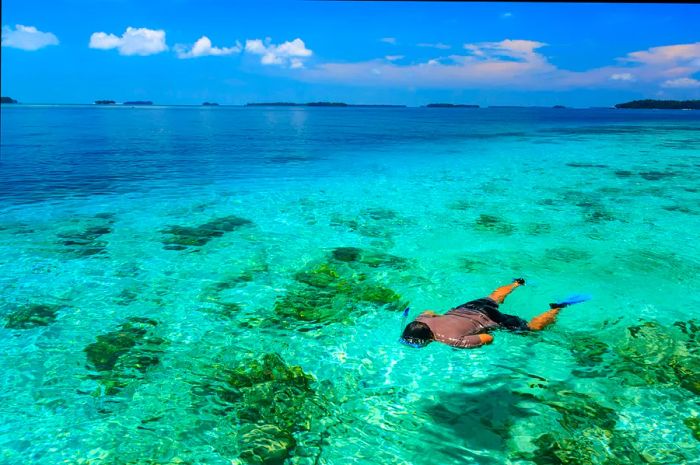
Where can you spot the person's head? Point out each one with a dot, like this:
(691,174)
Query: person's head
(417,334)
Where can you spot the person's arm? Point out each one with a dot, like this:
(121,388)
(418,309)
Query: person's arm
(499,295)
(545,319)
(473,341)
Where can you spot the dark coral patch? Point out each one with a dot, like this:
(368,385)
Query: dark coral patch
(329,293)
(31,316)
(586,165)
(125,354)
(657,175)
(371,258)
(460,205)
(623,173)
(270,401)
(493,224)
(182,237)
(347,254)
(651,355)
(693,424)
(679,208)
(567,254)
(379,214)
(87,242)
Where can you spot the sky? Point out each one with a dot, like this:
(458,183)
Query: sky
(411,53)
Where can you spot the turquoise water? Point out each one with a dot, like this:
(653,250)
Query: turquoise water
(225,285)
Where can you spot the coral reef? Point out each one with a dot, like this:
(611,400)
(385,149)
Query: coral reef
(31,316)
(125,354)
(182,237)
(270,401)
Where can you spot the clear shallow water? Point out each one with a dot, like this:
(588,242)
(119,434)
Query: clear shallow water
(153,261)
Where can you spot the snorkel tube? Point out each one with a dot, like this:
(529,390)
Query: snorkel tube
(404,318)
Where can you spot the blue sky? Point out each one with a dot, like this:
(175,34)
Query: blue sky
(187,52)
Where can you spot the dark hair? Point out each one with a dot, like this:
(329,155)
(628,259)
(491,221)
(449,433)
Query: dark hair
(417,333)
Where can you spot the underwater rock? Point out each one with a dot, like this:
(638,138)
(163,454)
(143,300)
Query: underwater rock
(235,280)
(536,229)
(376,259)
(125,354)
(347,254)
(588,350)
(580,411)
(270,400)
(567,254)
(679,208)
(86,243)
(553,450)
(598,216)
(363,228)
(378,223)
(222,310)
(31,316)
(470,264)
(586,165)
(327,293)
(266,444)
(652,355)
(370,258)
(584,432)
(126,297)
(657,175)
(379,214)
(693,424)
(460,205)
(494,224)
(182,237)
(623,173)
(687,370)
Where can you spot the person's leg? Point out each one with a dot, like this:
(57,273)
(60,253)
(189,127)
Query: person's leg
(545,319)
(499,295)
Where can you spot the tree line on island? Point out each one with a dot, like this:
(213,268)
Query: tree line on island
(635,104)
(661,104)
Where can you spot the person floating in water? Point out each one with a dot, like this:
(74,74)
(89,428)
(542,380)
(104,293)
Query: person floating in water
(468,325)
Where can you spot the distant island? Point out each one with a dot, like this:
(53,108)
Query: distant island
(319,104)
(7,100)
(139,102)
(558,107)
(105,102)
(210,104)
(450,105)
(662,104)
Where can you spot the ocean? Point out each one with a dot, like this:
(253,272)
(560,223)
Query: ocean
(225,285)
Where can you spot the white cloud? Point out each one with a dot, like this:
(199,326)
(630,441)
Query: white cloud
(519,64)
(517,49)
(203,48)
(507,14)
(486,64)
(393,57)
(666,54)
(681,83)
(388,40)
(438,45)
(27,38)
(622,77)
(290,53)
(134,41)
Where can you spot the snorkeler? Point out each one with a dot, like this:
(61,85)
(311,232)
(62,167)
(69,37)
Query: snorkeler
(468,325)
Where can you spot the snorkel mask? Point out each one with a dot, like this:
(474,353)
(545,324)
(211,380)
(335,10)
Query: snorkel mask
(415,345)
